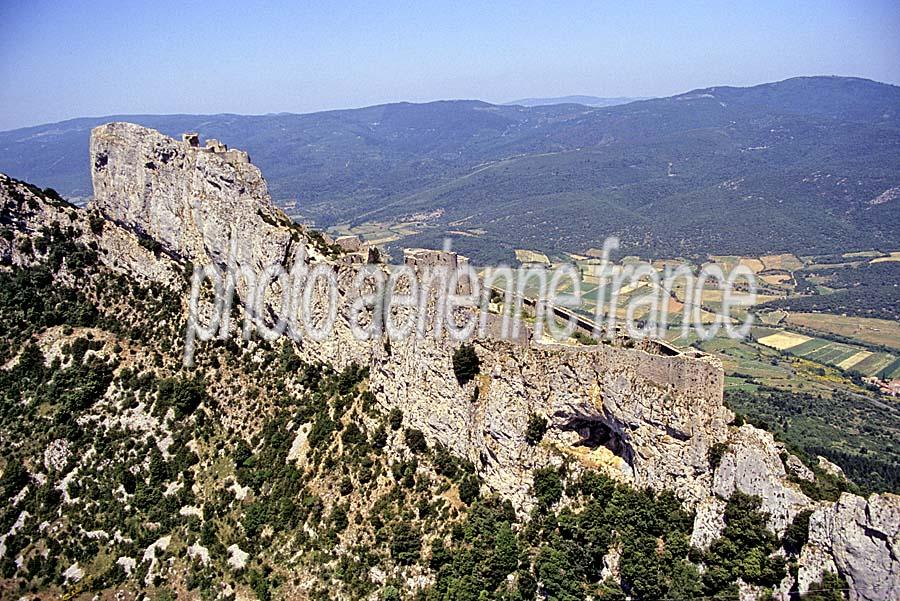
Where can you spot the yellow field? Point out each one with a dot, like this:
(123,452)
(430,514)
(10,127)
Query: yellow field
(596,253)
(775,279)
(673,306)
(629,288)
(865,329)
(787,262)
(713,295)
(755,265)
(851,361)
(375,232)
(726,262)
(661,264)
(531,256)
(773,317)
(895,256)
(784,340)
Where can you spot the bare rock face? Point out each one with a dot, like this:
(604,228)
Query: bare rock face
(798,469)
(752,465)
(860,539)
(854,537)
(652,417)
(649,418)
(709,522)
(27,210)
(193,201)
(830,468)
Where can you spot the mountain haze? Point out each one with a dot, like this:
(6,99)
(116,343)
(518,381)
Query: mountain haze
(726,170)
(594,101)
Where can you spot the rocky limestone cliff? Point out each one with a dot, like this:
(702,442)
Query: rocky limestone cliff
(27,211)
(612,409)
(191,200)
(858,538)
(646,418)
(752,464)
(659,414)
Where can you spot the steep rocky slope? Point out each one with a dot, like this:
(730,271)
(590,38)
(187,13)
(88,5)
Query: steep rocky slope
(666,410)
(274,465)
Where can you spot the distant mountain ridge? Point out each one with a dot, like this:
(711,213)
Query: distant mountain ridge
(593,101)
(785,166)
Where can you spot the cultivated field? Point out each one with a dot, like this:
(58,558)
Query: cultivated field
(786,262)
(784,340)
(836,354)
(894,256)
(873,331)
(531,256)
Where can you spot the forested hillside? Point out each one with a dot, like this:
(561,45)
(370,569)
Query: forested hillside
(808,165)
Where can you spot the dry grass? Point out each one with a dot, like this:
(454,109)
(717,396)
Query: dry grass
(873,331)
(895,256)
(775,279)
(531,256)
(851,361)
(754,265)
(786,261)
(662,264)
(726,262)
(784,340)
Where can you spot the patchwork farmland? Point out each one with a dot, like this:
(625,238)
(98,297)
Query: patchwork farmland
(836,354)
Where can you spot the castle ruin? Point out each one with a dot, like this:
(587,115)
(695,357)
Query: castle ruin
(192,141)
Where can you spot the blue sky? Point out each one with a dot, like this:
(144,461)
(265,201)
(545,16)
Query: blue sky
(68,59)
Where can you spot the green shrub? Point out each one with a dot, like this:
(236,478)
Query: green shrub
(15,477)
(830,588)
(548,486)
(583,338)
(536,428)
(466,364)
(469,489)
(379,438)
(395,418)
(406,543)
(797,534)
(182,394)
(415,441)
(715,453)
(390,593)
(744,550)
(96,222)
(151,244)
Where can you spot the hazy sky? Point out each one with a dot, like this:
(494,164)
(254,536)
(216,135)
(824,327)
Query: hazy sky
(68,59)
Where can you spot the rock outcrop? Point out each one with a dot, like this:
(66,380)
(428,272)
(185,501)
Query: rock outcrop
(658,413)
(859,539)
(648,418)
(27,211)
(193,201)
(752,464)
